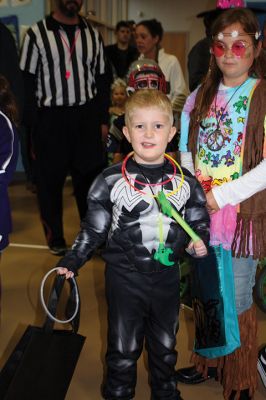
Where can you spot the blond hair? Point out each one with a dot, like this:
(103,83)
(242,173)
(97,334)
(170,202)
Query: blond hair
(143,99)
(118,83)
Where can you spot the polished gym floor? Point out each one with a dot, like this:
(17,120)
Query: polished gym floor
(22,267)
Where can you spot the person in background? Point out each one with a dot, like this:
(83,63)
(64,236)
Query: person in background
(117,121)
(121,54)
(223,140)
(132,26)
(9,119)
(149,34)
(118,99)
(264,36)
(142,250)
(67,96)
(9,65)
(143,74)
(199,55)
(9,68)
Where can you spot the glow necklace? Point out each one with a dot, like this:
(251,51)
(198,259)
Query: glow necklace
(70,50)
(175,164)
(162,253)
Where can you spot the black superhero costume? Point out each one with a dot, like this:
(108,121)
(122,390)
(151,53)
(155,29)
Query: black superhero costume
(142,293)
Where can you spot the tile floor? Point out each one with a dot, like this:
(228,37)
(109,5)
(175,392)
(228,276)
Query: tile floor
(22,269)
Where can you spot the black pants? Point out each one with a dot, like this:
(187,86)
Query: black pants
(66,140)
(141,306)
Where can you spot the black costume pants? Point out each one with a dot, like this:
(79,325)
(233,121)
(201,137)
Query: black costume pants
(66,140)
(141,306)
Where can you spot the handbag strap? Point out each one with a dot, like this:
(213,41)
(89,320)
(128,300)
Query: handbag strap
(72,309)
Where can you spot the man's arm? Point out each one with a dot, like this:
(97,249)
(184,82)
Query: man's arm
(30,106)
(103,83)
(28,63)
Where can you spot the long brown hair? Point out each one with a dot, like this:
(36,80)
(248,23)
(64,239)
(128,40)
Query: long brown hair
(210,85)
(7,101)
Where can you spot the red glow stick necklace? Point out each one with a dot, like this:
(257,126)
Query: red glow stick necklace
(70,50)
(125,173)
(128,179)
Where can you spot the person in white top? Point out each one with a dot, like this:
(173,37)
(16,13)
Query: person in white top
(149,34)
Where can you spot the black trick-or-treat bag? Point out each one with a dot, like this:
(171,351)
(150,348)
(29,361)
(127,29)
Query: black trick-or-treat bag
(43,362)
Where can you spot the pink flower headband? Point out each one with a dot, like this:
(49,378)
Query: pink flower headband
(230,3)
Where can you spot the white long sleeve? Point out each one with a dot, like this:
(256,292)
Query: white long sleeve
(234,192)
(187,162)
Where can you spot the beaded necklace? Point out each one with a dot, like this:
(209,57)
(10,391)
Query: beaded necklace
(216,139)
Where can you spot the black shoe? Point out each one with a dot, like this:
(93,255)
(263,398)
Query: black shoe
(177,398)
(31,187)
(191,376)
(262,365)
(244,395)
(58,250)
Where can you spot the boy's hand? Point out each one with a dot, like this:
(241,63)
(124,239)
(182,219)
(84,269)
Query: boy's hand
(198,248)
(66,272)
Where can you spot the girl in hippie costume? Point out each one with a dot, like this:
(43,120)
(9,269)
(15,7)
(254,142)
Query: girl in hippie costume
(223,143)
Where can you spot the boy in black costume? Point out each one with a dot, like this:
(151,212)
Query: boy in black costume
(142,250)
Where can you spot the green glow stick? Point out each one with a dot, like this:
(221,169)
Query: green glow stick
(167,209)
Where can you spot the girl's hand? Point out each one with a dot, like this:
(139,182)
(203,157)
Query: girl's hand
(64,271)
(198,247)
(212,205)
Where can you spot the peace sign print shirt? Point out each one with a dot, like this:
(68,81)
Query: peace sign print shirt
(221,136)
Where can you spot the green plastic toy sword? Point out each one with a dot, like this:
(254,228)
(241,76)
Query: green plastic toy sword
(168,210)
(163,253)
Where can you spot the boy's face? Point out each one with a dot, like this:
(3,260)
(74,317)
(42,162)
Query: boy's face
(149,132)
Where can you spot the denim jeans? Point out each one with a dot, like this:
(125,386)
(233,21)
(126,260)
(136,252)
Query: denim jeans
(244,270)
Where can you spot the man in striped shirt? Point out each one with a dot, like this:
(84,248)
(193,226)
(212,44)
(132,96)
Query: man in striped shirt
(67,96)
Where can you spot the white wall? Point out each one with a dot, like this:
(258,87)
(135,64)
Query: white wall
(27,13)
(175,15)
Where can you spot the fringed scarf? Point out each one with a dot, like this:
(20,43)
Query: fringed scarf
(252,216)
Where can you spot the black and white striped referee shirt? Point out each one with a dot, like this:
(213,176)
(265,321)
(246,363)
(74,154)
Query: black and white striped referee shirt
(65,60)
